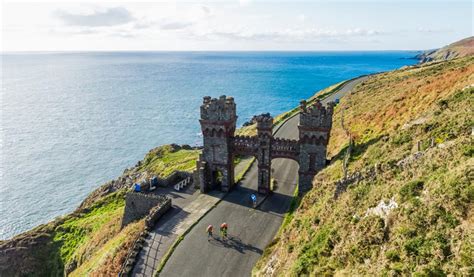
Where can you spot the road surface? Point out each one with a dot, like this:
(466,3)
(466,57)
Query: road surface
(250,230)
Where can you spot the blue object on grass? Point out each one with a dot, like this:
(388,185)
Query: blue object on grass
(138,188)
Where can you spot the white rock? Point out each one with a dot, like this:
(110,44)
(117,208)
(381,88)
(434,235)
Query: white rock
(382,209)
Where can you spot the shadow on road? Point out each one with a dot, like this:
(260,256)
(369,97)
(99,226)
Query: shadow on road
(241,196)
(171,219)
(235,243)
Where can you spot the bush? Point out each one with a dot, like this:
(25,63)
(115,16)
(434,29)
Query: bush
(411,190)
(314,252)
(431,271)
(401,138)
(413,246)
(468,150)
(392,255)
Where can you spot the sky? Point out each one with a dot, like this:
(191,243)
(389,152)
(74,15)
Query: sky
(233,25)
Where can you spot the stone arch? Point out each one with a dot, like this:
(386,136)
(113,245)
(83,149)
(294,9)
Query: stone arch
(218,121)
(281,178)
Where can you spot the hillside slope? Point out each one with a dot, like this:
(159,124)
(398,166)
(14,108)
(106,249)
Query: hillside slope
(459,49)
(406,206)
(91,235)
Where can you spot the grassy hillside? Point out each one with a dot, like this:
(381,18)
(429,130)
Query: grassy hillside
(462,48)
(422,223)
(163,160)
(89,240)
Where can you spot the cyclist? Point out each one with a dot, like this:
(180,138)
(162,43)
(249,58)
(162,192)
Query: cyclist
(209,232)
(224,231)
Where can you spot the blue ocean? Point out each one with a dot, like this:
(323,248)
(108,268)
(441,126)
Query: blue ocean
(72,121)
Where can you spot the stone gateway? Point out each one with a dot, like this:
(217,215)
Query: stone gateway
(215,167)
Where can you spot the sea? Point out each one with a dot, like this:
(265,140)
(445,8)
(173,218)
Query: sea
(70,121)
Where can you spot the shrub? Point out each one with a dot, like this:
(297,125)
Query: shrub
(401,138)
(392,255)
(431,271)
(468,150)
(443,104)
(313,252)
(411,190)
(413,246)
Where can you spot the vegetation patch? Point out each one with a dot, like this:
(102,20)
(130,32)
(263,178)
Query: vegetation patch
(164,160)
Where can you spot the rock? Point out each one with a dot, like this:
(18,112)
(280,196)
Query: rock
(382,209)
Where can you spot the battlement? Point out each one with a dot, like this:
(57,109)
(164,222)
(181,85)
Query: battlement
(316,115)
(264,122)
(218,109)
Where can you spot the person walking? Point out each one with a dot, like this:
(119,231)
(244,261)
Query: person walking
(253,198)
(209,232)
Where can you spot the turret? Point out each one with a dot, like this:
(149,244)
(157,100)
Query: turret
(218,121)
(264,125)
(316,115)
(265,138)
(222,109)
(314,128)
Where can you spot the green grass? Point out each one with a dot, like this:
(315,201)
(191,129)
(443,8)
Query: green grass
(164,160)
(76,230)
(106,260)
(315,252)
(295,201)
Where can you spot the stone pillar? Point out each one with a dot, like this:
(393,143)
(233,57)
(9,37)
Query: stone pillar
(264,178)
(305,181)
(203,180)
(227,179)
(218,121)
(314,128)
(419,145)
(265,137)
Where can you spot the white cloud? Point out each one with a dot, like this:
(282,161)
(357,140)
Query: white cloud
(175,25)
(244,3)
(430,30)
(260,25)
(309,34)
(106,17)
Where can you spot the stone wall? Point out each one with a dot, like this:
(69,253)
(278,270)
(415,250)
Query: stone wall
(156,213)
(153,216)
(370,173)
(138,205)
(174,178)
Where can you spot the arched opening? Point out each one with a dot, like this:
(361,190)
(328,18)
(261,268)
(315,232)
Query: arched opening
(217,178)
(284,175)
(241,165)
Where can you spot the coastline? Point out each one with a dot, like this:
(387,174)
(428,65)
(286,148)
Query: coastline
(132,117)
(131,172)
(41,235)
(129,176)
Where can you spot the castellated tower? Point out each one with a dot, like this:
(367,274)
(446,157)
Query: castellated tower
(314,128)
(264,137)
(215,164)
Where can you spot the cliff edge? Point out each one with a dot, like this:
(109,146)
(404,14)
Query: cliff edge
(459,49)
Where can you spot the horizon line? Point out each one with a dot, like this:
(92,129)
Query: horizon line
(177,51)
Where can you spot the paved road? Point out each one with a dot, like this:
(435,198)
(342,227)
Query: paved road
(250,230)
(188,206)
